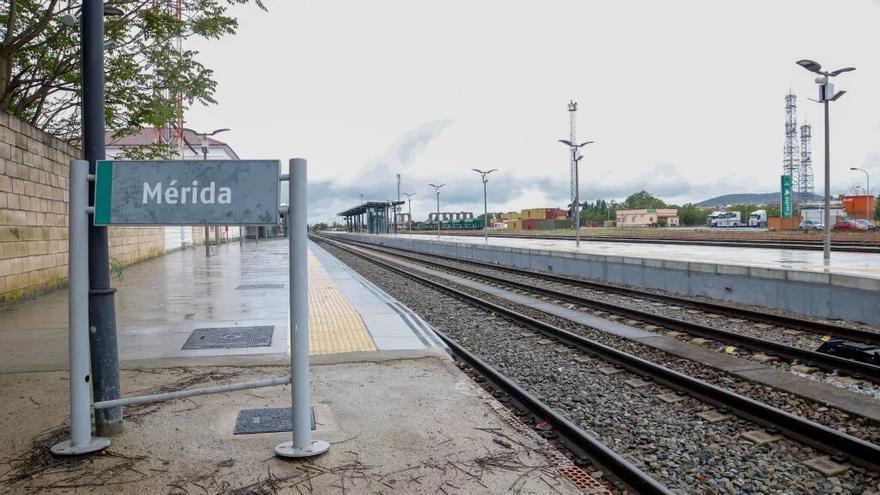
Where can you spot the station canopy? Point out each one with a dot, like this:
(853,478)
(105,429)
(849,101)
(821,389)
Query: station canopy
(362,208)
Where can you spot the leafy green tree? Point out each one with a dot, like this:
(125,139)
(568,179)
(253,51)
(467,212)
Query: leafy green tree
(691,214)
(642,199)
(146,70)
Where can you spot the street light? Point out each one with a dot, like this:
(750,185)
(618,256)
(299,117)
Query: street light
(826,95)
(437,192)
(483,175)
(576,159)
(205,147)
(409,220)
(867,190)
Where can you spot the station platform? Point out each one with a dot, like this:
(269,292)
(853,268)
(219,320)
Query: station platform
(161,302)
(399,414)
(791,280)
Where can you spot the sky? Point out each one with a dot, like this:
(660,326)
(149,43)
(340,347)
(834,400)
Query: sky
(683,98)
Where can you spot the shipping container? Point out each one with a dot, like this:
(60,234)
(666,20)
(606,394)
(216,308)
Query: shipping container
(514,224)
(531,224)
(546,224)
(534,214)
(561,224)
(859,206)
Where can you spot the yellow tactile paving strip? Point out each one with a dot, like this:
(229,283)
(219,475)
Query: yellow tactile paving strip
(334,325)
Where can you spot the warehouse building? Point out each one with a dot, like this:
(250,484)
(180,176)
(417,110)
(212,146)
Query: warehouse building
(649,217)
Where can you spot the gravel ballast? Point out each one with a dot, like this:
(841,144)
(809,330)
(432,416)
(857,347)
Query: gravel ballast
(688,454)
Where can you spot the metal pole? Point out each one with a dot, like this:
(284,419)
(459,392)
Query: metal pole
(395,206)
(81,440)
(102,311)
(577,199)
(826,249)
(438,214)
(485,212)
(302,444)
(409,219)
(193,392)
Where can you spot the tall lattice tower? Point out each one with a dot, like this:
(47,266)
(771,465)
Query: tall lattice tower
(790,155)
(805,188)
(572,118)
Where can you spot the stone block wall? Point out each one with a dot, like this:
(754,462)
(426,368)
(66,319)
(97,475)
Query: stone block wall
(33,214)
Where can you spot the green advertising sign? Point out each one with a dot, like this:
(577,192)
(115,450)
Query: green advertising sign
(785,204)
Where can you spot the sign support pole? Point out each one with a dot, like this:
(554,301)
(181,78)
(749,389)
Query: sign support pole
(302,444)
(81,440)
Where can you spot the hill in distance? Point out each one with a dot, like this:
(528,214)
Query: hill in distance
(747,199)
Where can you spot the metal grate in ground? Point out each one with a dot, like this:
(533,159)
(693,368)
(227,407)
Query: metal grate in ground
(269,420)
(230,337)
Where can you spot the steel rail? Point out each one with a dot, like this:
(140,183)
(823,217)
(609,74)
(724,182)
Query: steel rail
(621,469)
(812,358)
(853,334)
(808,432)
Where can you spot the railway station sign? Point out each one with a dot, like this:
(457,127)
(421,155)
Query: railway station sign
(785,204)
(187,192)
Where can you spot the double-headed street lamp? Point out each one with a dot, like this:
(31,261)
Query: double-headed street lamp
(409,218)
(484,175)
(826,95)
(867,191)
(437,192)
(575,160)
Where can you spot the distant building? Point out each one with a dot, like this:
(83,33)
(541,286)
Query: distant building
(650,217)
(192,147)
(178,237)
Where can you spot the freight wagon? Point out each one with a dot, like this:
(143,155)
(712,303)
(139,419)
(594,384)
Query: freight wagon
(468,224)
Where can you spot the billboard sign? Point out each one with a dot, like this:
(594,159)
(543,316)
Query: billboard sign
(785,203)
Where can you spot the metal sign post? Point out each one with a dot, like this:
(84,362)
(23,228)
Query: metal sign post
(187,193)
(302,444)
(81,440)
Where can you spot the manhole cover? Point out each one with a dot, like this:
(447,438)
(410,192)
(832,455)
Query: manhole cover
(230,337)
(259,286)
(270,420)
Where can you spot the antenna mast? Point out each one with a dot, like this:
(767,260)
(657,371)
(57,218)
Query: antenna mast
(790,154)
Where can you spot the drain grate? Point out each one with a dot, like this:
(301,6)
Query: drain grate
(230,337)
(259,286)
(270,420)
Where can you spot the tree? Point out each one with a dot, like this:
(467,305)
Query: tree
(642,199)
(691,214)
(146,70)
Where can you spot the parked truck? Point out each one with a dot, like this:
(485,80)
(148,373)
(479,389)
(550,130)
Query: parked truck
(724,219)
(758,218)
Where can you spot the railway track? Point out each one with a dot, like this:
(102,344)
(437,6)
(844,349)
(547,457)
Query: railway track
(822,329)
(825,439)
(829,363)
(850,247)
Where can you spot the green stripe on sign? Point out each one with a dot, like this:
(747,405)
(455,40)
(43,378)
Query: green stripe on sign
(103,188)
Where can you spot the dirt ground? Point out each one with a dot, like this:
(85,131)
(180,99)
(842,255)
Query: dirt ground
(402,426)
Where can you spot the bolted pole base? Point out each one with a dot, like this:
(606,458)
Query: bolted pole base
(68,448)
(287,449)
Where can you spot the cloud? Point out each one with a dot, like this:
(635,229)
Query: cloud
(402,153)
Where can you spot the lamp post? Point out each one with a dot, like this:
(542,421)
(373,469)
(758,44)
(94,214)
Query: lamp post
(826,95)
(409,219)
(483,176)
(205,145)
(437,192)
(576,159)
(867,190)
(102,309)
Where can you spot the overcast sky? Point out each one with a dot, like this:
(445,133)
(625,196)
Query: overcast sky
(684,99)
